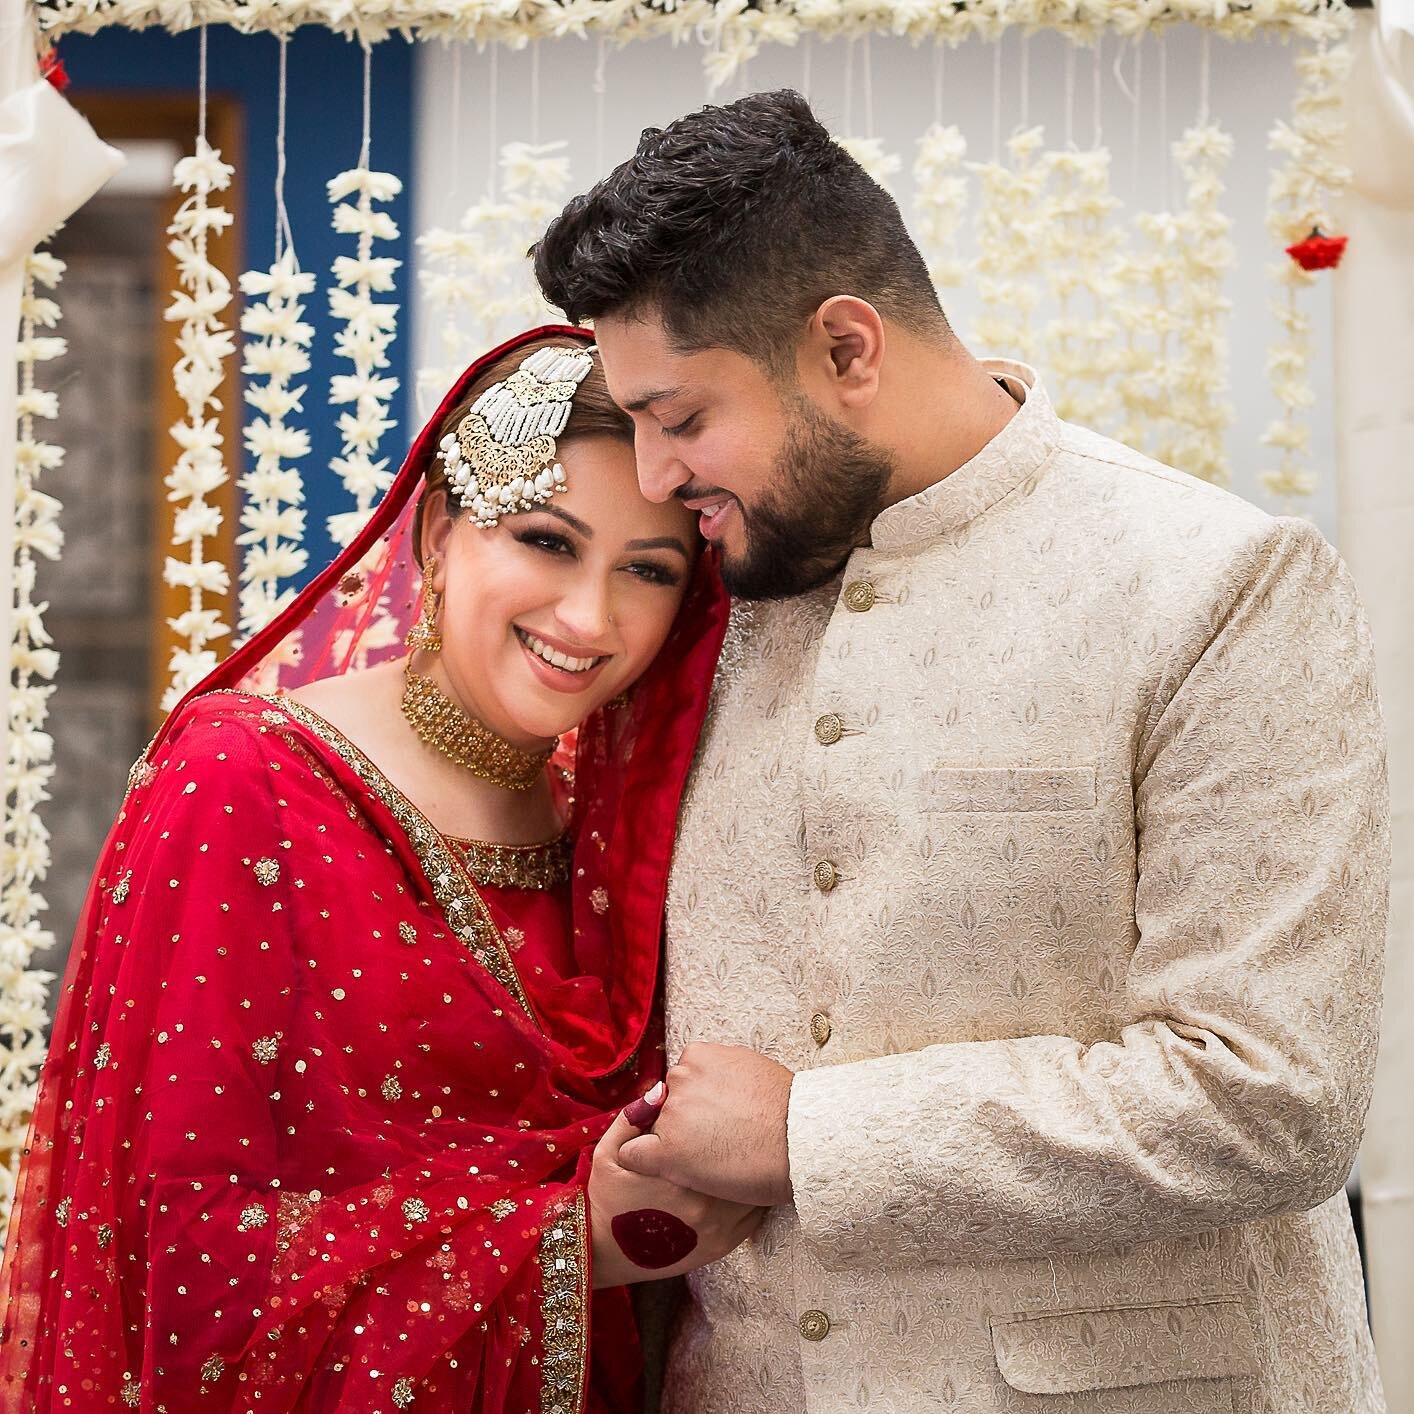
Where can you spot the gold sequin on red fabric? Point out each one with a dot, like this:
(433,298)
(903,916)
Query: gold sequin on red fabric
(564,1300)
(455,891)
(541,867)
(267,872)
(252,1217)
(402,1394)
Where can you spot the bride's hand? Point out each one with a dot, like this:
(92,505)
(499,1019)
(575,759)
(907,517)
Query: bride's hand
(646,1228)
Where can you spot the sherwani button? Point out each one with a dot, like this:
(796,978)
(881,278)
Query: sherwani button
(826,876)
(820,1028)
(829,729)
(859,596)
(814,1325)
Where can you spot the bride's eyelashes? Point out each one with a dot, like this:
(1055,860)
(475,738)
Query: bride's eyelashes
(551,542)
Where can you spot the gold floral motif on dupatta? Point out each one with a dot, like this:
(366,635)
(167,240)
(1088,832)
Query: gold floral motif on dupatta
(452,886)
(564,1306)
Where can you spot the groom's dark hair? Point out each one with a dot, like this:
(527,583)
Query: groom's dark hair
(734,224)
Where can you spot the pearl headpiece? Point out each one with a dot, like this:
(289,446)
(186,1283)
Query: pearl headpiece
(501,459)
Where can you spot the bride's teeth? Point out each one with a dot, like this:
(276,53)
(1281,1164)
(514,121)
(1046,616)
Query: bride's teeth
(554,656)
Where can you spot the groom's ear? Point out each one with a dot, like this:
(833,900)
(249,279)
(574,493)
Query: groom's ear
(844,350)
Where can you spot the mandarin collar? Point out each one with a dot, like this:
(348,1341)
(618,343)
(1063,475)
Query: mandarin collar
(1017,452)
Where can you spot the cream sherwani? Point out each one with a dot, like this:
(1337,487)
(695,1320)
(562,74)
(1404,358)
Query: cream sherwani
(1048,846)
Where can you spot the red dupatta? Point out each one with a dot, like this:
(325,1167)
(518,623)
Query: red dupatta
(301,1141)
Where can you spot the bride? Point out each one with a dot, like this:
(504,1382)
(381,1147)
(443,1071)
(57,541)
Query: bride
(365,977)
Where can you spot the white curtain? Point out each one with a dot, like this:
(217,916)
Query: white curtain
(1374,360)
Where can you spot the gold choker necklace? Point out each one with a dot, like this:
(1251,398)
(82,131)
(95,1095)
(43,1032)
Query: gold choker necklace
(461,738)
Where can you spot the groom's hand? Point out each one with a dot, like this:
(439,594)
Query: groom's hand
(722,1129)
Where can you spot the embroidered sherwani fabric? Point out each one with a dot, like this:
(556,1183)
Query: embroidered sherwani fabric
(1049,846)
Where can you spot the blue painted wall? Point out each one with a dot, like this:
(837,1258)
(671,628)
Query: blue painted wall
(323,132)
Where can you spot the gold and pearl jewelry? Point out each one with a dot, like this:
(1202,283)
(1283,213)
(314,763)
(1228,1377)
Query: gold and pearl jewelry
(425,633)
(501,458)
(447,728)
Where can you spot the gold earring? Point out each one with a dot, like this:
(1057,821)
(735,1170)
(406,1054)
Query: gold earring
(425,633)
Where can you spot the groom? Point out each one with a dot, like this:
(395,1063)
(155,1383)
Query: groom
(1025,925)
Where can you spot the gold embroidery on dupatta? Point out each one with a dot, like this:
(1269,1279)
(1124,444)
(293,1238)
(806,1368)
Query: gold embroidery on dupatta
(465,909)
(564,1303)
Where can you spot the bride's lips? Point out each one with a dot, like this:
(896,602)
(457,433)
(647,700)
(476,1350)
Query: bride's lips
(557,679)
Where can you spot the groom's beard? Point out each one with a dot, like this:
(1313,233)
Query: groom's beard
(826,488)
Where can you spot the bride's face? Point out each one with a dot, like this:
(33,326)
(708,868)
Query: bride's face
(552,612)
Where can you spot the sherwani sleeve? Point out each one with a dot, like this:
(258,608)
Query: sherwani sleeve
(1237,1086)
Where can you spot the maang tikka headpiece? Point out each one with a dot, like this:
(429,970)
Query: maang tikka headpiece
(501,458)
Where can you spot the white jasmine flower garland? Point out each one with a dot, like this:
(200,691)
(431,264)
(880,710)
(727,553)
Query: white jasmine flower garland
(1298,200)
(940,198)
(204,342)
(272,517)
(369,330)
(1200,405)
(1013,234)
(24,855)
(476,276)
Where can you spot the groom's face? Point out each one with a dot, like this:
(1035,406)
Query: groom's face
(784,490)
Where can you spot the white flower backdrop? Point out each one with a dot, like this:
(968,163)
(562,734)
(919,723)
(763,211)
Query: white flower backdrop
(1125,305)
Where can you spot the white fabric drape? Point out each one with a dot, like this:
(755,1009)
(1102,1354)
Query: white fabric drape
(51,162)
(1374,360)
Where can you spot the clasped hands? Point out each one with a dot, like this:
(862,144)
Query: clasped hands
(680,1183)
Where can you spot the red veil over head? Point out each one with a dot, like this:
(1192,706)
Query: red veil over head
(303,1140)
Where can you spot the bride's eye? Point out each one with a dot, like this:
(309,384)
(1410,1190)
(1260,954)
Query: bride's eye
(654,573)
(546,540)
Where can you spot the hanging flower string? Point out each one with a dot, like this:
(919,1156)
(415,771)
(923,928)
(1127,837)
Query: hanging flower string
(940,199)
(1201,408)
(476,276)
(369,329)
(1298,201)
(204,342)
(1081,265)
(276,352)
(1013,237)
(272,518)
(30,764)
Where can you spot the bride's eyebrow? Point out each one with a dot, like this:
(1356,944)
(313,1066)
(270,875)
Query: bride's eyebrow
(573,522)
(661,542)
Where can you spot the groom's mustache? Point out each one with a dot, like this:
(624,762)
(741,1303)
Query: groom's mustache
(693,492)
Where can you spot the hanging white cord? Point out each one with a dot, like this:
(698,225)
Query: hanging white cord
(806,66)
(868,87)
(1165,156)
(1132,94)
(997,100)
(849,86)
(535,93)
(201,90)
(456,117)
(491,99)
(1098,90)
(1025,79)
(365,153)
(1070,95)
(1204,77)
(284,233)
(599,64)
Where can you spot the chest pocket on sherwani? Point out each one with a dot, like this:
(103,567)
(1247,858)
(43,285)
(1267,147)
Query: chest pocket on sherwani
(1179,1358)
(1010,789)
